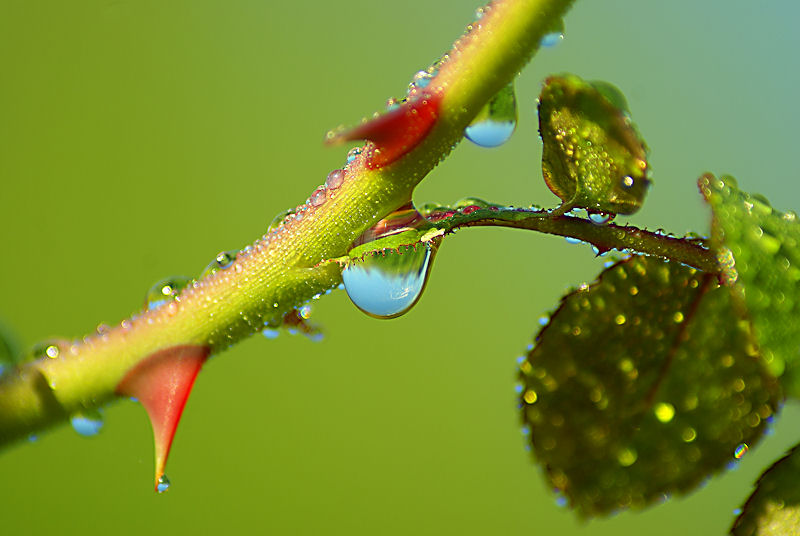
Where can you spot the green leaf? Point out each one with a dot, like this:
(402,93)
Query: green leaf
(593,157)
(761,247)
(642,385)
(774,507)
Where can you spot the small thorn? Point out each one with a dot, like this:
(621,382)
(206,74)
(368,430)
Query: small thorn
(396,132)
(162,383)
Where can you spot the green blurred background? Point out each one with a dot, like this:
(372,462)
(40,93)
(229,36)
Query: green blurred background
(138,139)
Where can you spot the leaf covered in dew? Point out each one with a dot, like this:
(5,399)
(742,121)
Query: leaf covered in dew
(774,507)
(761,247)
(642,385)
(592,157)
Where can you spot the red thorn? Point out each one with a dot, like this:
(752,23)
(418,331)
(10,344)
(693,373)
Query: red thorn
(162,383)
(395,132)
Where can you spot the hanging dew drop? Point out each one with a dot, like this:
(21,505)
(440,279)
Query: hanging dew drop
(165,290)
(600,218)
(87,424)
(270,333)
(554,36)
(495,123)
(163,484)
(387,284)
(551,39)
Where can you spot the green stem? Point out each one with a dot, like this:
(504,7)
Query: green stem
(605,237)
(286,268)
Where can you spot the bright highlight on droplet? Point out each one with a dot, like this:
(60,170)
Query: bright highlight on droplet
(388,283)
(740,451)
(664,411)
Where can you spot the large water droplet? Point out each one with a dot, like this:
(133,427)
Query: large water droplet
(87,423)
(495,123)
(165,291)
(388,283)
(163,484)
(223,260)
(334,179)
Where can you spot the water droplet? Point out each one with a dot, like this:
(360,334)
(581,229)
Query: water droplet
(561,499)
(278,220)
(222,261)
(49,349)
(421,80)
(163,484)
(737,511)
(470,202)
(270,333)
(740,451)
(334,179)
(353,153)
(496,122)
(554,35)
(551,39)
(165,290)
(571,240)
(398,221)
(388,283)
(87,423)
(319,197)
(600,218)
(305,312)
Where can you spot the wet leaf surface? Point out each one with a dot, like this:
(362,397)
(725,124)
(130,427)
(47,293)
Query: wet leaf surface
(592,157)
(774,507)
(763,250)
(642,385)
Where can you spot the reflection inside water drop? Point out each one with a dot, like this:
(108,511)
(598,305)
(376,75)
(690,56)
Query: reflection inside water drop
(388,283)
(496,122)
(552,39)
(87,424)
(163,484)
